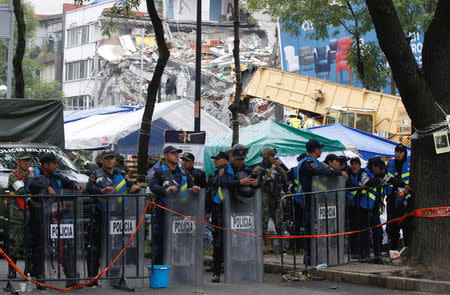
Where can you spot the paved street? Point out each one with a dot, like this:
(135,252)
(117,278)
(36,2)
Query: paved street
(272,285)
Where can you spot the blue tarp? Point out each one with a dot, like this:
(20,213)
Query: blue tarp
(368,145)
(71,116)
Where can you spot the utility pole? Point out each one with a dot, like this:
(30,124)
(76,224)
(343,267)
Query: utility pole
(198,67)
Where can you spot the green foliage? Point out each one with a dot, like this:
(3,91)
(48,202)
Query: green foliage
(34,88)
(376,71)
(121,9)
(325,18)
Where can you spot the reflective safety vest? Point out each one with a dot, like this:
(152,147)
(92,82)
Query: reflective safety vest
(369,197)
(390,169)
(295,122)
(298,189)
(21,201)
(309,123)
(218,197)
(352,194)
(184,183)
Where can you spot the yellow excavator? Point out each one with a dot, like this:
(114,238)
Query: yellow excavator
(328,102)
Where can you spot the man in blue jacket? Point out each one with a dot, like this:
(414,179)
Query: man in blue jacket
(170,178)
(47,181)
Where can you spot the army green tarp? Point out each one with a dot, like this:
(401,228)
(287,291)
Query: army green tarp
(32,120)
(286,139)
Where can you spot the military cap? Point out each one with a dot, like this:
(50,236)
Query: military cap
(171,149)
(48,158)
(267,152)
(220,155)
(24,156)
(313,144)
(108,153)
(188,156)
(239,152)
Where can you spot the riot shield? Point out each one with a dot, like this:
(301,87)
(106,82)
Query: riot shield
(120,215)
(327,217)
(62,236)
(183,238)
(243,257)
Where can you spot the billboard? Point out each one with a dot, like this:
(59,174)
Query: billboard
(326,58)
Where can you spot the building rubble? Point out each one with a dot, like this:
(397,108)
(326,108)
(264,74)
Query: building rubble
(119,73)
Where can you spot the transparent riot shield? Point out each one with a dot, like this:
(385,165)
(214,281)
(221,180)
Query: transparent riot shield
(243,254)
(183,238)
(120,215)
(62,237)
(327,217)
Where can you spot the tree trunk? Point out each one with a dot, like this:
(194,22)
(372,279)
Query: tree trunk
(152,90)
(20,50)
(237,65)
(420,91)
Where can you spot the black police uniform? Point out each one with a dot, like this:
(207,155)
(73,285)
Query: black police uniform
(198,175)
(157,180)
(99,179)
(38,185)
(307,170)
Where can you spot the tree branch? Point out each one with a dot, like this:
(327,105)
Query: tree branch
(20,50)
(164,54)
(415,92)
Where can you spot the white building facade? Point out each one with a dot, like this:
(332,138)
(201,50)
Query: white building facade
(82,32)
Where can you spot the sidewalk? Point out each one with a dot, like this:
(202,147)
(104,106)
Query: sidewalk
(377,275)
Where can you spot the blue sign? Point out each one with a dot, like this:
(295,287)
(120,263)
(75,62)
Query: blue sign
(326,58)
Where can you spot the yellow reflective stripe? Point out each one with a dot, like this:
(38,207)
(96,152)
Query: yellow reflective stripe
(120,185)
(184,187)
(220,194)
(390,174)
(405,174)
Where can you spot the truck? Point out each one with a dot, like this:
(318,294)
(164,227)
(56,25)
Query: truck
(35,126)
(328,102)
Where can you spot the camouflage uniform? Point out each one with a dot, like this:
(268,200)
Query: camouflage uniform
(16,186)
(270,189)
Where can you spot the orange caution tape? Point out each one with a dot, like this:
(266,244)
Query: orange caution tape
(421,213)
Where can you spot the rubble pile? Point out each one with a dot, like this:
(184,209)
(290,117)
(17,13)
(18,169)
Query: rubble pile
(121,60)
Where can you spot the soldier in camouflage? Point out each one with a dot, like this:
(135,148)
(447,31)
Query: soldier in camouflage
(16,186)
(272,178)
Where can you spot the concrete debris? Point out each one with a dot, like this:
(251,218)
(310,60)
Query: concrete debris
(294,277)
(121,81)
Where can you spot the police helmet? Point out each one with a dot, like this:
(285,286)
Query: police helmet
(244,193)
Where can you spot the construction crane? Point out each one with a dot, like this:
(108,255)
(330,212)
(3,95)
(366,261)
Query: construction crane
(328,102)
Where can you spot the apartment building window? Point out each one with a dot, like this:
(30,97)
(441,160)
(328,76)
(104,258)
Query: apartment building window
(78,36)
(79,70)
(79,102)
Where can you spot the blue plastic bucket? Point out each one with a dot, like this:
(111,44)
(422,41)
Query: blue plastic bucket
(160,276)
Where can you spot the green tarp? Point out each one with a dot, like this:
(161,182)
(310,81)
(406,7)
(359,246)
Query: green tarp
(286,139)
(32,120)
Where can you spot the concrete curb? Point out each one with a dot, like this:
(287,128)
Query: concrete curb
(381,281)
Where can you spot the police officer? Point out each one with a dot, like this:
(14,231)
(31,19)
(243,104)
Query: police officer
(47,181)
(308,167)
(168,179)
(272,178)
(294,121)
(333,161)
(397,168)
(381,177)
(238,178)
(214,208)
(16,186)
(108,179)
(197,175)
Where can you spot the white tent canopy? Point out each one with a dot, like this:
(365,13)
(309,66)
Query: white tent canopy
(120,130)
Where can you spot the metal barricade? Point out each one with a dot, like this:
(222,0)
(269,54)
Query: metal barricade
(325,211)
(60,231)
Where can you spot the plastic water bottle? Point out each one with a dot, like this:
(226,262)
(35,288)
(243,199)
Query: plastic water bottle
(321,266)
